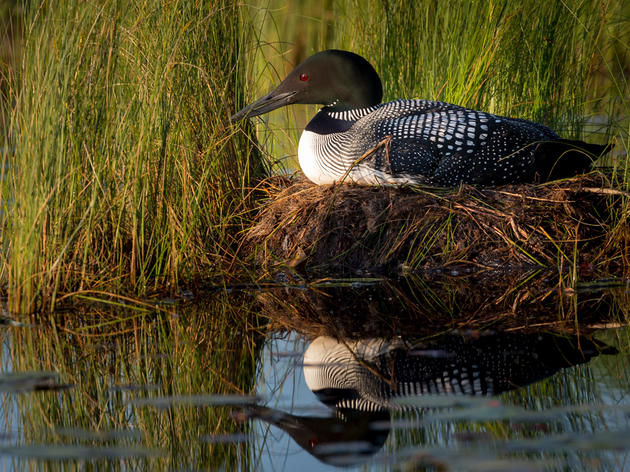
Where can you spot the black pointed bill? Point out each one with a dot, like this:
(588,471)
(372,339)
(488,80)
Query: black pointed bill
(269,102)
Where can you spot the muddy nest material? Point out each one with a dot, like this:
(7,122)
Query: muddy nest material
(349,230)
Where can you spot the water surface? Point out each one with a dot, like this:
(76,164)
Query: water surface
(453,374)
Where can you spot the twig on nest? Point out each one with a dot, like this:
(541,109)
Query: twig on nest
(385,142)
(604,191)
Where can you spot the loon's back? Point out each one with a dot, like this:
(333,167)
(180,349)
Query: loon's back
(420,141)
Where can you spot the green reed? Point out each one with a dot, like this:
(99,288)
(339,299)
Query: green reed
(528,60)
(126,173)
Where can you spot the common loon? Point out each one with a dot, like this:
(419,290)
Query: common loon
(356,138)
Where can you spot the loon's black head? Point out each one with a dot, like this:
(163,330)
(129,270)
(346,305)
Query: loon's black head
(335,78)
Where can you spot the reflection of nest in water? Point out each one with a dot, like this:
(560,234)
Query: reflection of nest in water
(347,229)
(421,307)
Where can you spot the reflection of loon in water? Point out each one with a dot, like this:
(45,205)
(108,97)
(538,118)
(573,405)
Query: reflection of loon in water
(359,379)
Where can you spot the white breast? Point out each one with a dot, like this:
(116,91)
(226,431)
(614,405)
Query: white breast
(309,162)
(321,174)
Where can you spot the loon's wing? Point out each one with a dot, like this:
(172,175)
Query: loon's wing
(449,144)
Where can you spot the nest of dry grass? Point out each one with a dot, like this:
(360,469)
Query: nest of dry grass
(347,230)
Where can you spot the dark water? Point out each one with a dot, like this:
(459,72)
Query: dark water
(448,374)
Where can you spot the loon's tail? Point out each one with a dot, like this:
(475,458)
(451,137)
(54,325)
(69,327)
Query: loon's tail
(565,158)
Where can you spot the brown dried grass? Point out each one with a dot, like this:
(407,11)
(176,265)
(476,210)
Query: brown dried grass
(347,230)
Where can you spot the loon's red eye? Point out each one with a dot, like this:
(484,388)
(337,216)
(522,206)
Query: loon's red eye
(303,77)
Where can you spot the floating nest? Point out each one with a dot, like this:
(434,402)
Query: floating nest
(347,230)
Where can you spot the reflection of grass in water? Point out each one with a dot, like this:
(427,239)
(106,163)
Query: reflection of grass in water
(426,307)
(208,349)
(602,383)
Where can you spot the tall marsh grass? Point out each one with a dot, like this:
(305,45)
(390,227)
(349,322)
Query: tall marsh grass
(125,175)
(564,64)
